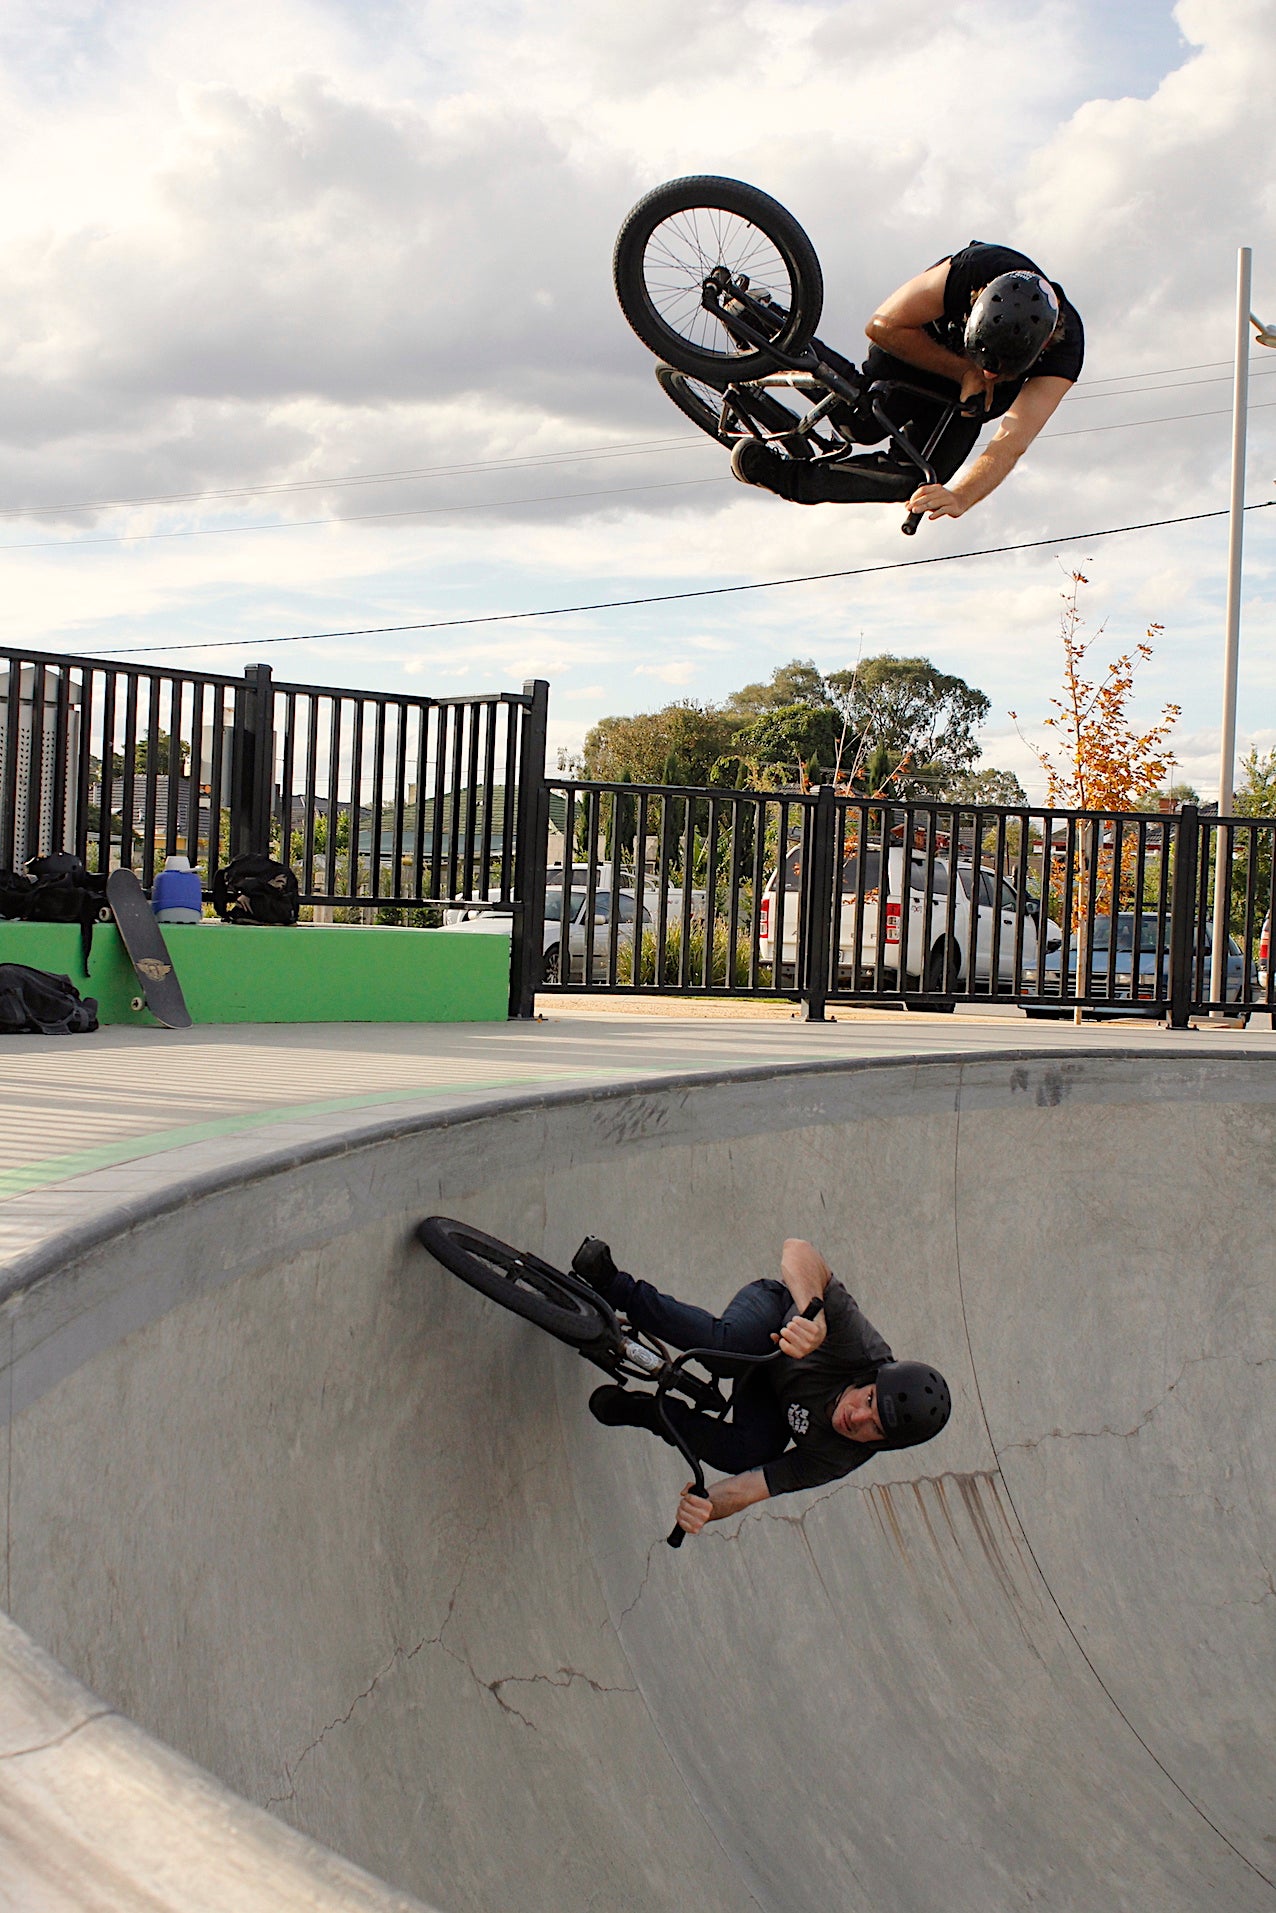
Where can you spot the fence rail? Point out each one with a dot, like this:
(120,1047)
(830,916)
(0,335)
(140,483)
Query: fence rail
(381,801)
(397,805)
(826,899)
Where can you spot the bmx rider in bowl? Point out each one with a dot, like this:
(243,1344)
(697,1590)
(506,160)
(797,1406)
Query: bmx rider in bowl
(836,1398)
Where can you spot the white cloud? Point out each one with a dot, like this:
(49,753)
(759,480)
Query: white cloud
(282,247)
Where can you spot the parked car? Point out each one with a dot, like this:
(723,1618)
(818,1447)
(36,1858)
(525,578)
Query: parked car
(1116,973)
(583,930)
(986,910)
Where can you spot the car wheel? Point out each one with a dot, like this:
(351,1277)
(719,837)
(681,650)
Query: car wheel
(934,984)
(551,972)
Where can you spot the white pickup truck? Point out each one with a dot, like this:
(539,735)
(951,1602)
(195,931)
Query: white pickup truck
(952,934)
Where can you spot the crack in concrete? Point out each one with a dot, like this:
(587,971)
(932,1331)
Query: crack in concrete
(1106,1433)
(572,1674)
(646,1576)
(58,1740)
(401,1656)
(748,1518)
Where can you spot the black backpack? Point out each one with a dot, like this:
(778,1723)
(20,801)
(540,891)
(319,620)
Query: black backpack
(58,889)
(252,889)
(37,1003)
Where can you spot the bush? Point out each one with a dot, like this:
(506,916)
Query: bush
(669,969)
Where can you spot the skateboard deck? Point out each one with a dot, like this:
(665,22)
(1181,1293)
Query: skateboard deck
(147,951)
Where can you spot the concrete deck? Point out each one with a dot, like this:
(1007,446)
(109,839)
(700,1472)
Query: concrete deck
(339,1556)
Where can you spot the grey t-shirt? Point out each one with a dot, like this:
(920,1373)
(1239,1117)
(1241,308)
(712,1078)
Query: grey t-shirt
(808,1391)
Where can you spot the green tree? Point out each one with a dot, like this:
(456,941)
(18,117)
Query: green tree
(142,757)
(1177,795)
(913,717)
(1255,797)
(685,738)
(988,786)
(797,682)
(791,739)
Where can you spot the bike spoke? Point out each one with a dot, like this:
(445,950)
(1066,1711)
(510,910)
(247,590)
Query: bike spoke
(685,248)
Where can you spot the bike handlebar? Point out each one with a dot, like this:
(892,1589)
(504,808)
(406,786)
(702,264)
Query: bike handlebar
(721,1359)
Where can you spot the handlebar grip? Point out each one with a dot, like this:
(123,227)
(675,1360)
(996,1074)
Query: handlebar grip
(677,1536)
(813,1308)
(911,523)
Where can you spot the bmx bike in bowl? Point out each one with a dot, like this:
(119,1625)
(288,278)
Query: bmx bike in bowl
(570,1309)
(723,285)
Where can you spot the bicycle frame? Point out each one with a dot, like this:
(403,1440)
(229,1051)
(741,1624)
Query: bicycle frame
(628,1353)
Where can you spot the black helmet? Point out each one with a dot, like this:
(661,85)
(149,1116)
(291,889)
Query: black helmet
(1010,323)
(913,1403)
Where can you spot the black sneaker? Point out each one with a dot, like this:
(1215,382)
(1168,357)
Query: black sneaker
(593,1261)
(620,1408)
(753,464)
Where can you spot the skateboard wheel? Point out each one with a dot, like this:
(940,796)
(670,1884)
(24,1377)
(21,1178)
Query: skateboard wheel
(138,1003)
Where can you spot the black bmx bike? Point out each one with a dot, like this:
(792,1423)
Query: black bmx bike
(723,285)
(568,1308)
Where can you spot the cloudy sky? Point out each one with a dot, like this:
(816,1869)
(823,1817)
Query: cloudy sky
(308,325)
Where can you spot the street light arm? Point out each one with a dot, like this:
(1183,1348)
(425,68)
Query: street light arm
(1264,334)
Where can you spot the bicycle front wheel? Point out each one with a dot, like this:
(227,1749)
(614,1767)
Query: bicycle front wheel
(519,1282)
(704,230)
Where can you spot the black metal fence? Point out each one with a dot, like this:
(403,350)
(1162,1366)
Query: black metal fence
(826,898)
(383,803)
(393,806)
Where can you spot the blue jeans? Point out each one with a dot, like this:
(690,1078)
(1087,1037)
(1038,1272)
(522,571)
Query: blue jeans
(757,1431)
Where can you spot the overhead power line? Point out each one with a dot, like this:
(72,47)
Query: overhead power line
(633,448)
(677,597)
(510,504)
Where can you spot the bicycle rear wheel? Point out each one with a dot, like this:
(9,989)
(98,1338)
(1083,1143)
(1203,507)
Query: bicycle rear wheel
(519,1282)
(693,231)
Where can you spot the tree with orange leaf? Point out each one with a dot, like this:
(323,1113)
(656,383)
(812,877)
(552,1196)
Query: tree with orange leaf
(1102,765)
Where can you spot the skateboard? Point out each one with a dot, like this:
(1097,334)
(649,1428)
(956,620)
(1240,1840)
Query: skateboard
(147,951)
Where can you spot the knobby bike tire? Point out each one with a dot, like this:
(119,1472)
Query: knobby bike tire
(710,222)
(517,1281)
(695,399)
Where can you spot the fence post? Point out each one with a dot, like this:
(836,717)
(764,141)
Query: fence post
(531,853)
(252,751)
(819,904)
(1183,914)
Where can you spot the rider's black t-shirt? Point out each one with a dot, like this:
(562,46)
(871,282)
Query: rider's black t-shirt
(808,1392)
(969,271)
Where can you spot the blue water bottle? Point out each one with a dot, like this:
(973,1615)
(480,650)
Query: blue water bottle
(177,896)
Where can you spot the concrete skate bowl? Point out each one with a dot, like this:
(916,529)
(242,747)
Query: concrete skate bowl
(299,1506)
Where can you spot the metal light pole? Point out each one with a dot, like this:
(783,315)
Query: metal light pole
(1227,752)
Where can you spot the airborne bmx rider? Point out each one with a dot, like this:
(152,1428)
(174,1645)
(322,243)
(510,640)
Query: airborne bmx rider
(837,1396)
(985,324)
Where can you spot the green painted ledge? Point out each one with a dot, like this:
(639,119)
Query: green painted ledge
(310,973)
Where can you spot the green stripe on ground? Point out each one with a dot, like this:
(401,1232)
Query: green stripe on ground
(80,1162)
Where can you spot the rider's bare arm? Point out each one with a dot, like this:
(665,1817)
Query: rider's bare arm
(803,1271)
(1020,425)
(724,1498)
(806,1275)
(897,325)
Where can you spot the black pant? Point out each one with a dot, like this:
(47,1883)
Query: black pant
(757,1431)
(888,476)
